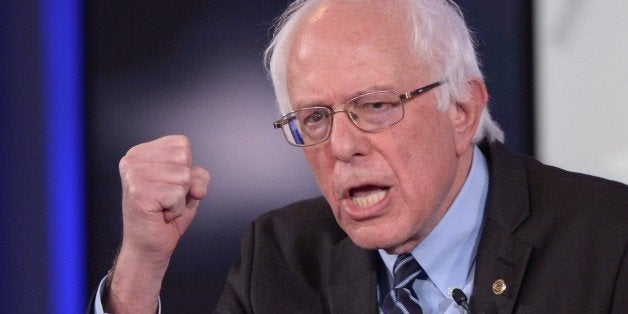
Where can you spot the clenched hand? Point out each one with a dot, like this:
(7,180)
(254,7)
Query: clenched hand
(161,193)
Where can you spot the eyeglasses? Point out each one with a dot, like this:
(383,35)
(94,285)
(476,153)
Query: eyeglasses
(371,112)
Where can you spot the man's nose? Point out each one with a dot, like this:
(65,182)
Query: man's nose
(346,139)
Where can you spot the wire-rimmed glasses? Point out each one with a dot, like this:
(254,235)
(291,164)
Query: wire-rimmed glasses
(370,112)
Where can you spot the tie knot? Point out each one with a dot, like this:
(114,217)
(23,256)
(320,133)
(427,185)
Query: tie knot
(406,270)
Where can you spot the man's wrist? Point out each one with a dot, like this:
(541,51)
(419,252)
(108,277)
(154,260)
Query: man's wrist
(134,283)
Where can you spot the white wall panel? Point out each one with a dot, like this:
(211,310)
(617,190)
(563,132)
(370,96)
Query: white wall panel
(582,86)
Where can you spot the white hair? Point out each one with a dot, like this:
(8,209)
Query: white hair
(438,34)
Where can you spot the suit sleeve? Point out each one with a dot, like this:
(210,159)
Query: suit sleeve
(235,297)
(272,275)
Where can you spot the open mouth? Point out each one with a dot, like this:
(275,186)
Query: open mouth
(368,195)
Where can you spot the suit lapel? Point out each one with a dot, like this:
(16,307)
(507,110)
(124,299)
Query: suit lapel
(351,279)
(502,256)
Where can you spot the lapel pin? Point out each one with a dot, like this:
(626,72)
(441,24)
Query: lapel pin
(499,286)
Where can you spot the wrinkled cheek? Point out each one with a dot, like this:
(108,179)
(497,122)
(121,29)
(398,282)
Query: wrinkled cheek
(322,168)
(325,185)
(342,221)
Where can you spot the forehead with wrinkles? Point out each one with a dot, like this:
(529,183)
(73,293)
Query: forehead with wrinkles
(341,25)
(349,41)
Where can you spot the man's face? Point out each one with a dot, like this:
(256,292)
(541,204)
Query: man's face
(386,189)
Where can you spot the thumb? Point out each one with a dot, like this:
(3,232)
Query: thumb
(199,182)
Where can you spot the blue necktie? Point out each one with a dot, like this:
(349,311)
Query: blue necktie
(401,298)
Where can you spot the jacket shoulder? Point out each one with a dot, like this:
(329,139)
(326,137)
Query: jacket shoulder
(578,196)
(532,189)
(306,220)
(282,260)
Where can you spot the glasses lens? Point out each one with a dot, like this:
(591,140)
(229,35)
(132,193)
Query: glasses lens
(376,111)
(307,126)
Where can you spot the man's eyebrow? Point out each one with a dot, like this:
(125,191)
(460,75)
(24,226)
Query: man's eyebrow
(310,104)
(359,92)
(370,89)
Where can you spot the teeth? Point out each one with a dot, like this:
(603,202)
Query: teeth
(370,199)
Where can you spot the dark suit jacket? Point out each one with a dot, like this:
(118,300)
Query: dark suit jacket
(556,239)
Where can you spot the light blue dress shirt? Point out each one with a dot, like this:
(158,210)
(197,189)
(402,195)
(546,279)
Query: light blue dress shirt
(447,254)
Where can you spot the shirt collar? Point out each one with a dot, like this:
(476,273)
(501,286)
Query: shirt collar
(447,254)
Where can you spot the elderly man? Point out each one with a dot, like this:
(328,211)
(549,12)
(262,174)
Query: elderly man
(420,197)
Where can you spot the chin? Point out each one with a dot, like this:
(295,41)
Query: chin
(378,237)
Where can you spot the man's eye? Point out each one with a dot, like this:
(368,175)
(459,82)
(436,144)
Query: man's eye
(376,106)
(315,118)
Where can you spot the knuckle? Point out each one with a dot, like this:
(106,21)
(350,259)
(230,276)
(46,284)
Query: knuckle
(177,140)
(129,174)
(132,190)
(183,140)
(179,191)
(182,156)
(186,174)
(135,149)
(124,163)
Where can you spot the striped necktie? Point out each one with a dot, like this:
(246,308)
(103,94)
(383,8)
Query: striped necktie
(401,298)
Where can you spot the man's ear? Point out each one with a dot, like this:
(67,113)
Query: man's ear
(465,114)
